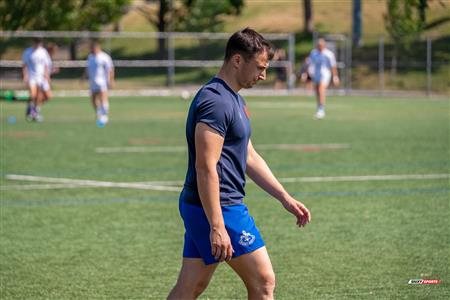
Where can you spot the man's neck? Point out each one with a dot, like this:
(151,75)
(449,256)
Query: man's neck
(229,78)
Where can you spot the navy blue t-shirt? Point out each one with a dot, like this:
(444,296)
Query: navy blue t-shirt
(218,106)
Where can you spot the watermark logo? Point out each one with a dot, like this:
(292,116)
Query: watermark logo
(424,281)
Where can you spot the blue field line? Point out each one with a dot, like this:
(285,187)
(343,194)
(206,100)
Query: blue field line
(146,199)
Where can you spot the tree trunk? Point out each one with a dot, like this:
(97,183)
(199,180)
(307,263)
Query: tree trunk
(422,11)
(307,7)
(163,7)
(73,49)
(394,63)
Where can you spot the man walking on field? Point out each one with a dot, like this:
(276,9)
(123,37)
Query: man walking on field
(218,226)
(321,67)
(100,70)
(36,72)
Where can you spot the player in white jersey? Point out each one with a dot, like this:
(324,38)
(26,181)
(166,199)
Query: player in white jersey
(36,75)
(321,67)
(100,70)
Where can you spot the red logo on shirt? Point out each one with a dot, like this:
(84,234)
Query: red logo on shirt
(247,113)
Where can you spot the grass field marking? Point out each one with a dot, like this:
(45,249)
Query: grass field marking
(281,105)
(140,149)
(165,183)
(51,186)
(93,183)
(366,178)
(175,186)
(302,147)
(171,149)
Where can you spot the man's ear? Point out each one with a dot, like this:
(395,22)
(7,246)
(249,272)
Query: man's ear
(236,60)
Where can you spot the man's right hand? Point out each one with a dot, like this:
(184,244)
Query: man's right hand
(221,247)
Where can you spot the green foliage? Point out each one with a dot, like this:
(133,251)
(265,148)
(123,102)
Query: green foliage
(59,14)
(404,21)
(90,15)
(206,15)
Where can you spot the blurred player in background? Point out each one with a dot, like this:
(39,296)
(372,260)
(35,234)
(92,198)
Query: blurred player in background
(100,70)
(36,72)
(281,73)
(51,48)
(218,226)
(321,67)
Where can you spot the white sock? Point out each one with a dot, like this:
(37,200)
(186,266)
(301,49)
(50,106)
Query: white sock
(105,108)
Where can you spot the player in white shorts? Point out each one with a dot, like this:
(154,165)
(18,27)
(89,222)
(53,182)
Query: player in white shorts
(321,67)
(36,75)
(100,70)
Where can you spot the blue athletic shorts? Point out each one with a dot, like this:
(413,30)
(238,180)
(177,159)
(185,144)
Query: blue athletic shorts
(241,228)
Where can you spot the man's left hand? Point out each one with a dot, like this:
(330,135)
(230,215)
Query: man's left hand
(298,210)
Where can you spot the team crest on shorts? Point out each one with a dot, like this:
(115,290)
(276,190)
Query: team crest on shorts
(246,238)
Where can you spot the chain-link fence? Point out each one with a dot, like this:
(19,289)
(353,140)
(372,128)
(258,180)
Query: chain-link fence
(142,60)
(147,60)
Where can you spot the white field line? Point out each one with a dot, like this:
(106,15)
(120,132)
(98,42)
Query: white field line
(301,147)
(140,149)
(51,186)
(366,178)
(94,183)
(175,186)
(171,149)
(285,104)
(164,183)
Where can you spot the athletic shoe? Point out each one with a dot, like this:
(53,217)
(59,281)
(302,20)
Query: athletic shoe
(100,124)
(320,114)
(104,119)
(38,118)
(32,114)
(28,115)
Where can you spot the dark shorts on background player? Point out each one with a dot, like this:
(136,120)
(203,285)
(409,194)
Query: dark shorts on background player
(241,228)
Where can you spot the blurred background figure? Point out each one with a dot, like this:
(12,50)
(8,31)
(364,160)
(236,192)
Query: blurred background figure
(321,67)
(36,71)
(281,72)
(100,70)
(52,50)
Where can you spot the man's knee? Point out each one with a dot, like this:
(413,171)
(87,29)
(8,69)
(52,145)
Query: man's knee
(268,282)
(190,289)
(265,284)
(199,287)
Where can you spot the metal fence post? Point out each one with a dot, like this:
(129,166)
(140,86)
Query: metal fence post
(291,52)
(381,64)
(348,76)
(171,60)
(428,66)
(108,45)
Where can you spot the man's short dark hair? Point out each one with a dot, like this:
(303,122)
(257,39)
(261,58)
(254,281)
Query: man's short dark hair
(37,40)
(248,43)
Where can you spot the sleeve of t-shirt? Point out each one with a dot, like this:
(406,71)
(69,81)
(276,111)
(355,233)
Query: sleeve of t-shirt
(48,62)
(214,112)
(332,59)
(25,56)
(109,62)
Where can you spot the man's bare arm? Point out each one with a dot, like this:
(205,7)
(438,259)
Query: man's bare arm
(260,173)
(208,147)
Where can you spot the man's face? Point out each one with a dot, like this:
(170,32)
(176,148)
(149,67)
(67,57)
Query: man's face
(321,45)
(95,48)
(253,70)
